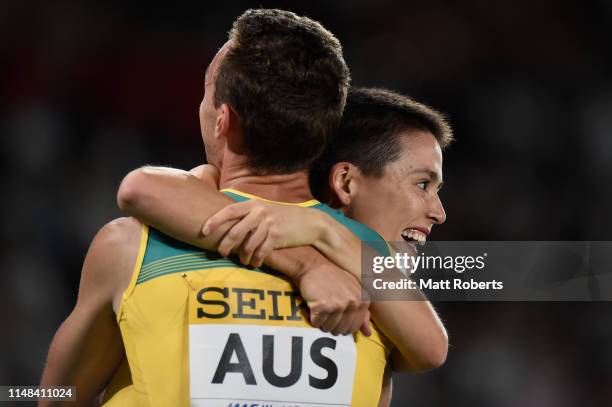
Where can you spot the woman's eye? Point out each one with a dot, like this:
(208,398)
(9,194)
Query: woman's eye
(423,185)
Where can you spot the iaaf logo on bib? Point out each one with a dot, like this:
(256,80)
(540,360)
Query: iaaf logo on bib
(269,365)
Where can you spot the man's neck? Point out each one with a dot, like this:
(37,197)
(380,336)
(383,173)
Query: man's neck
(291,188)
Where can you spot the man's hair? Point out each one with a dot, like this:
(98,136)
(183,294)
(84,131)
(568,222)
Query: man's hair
(368,136)
(285,77)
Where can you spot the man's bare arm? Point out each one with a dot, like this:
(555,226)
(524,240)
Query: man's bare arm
(412,325)
(178,203)
(173,201)
(87,347)
(265,226)
(420,340)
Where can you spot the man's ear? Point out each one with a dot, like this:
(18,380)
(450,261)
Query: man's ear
(343,180)
(222,122)
(228,127)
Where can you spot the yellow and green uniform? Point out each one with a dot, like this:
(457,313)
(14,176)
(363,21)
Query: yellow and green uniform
(202,330)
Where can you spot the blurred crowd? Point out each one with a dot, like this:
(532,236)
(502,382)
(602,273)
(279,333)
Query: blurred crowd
(90,92)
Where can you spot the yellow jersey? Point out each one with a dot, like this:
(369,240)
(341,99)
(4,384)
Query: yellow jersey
(203,330)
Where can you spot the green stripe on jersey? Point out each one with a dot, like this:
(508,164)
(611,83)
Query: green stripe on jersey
(165,255)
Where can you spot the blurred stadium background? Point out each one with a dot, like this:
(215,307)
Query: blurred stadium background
(91,91)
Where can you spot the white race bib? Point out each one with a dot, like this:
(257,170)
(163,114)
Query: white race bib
(266,363)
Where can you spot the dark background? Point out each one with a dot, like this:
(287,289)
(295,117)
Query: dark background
(89,92)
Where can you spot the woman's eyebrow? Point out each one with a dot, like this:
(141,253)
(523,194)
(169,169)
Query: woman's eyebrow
(431,174)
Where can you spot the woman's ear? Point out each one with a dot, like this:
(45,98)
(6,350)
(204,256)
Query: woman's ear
(343,181)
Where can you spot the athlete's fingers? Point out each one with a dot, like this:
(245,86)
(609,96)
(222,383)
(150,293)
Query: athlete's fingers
(234,237)
(231,212)
(317,319)
(344,323)
(349,309)
(365,325)
(262,252)
(353,319)
(361,314)
(227,243)
(251,243)
(332,322)
(356,323)
(350,323)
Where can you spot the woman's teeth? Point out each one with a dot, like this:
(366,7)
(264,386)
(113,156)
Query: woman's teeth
(414,235)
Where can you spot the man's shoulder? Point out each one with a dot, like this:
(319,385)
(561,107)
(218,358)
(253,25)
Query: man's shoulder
(112,254)
(119,230)
(119,237)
